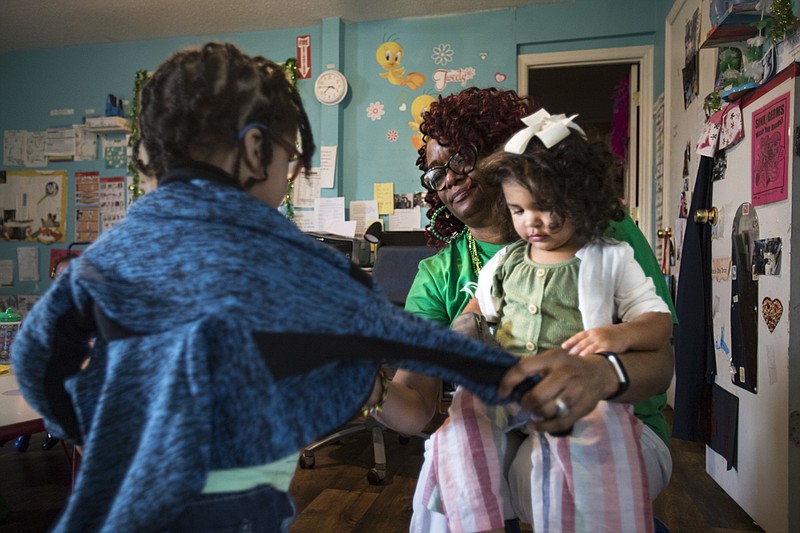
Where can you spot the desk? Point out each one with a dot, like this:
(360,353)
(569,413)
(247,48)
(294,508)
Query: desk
(16,416)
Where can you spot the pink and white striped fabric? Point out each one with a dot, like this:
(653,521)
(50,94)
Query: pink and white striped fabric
(593,480)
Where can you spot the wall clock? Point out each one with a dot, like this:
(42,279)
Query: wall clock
(330,87)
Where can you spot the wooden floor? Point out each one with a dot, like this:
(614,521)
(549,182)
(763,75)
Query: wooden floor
(335,496)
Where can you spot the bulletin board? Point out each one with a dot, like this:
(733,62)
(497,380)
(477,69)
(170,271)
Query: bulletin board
(33,204)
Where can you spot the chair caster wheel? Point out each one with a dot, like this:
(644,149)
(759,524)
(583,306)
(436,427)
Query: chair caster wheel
(375,477)
(50,442)
(307,460)
(22,443)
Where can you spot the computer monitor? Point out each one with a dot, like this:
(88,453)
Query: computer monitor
(348,247)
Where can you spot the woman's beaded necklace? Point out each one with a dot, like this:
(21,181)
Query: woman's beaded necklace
(472,246)
(451,238)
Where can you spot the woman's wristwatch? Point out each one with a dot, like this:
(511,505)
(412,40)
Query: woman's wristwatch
(619,369)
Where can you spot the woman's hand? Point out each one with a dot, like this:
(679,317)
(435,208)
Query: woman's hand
(472,307)
(579,382)
(570,387)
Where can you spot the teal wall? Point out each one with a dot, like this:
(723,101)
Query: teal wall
(37,81)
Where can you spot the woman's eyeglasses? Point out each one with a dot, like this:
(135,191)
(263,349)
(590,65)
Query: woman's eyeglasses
(461,163)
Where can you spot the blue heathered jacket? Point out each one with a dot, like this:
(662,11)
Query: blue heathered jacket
(225,338)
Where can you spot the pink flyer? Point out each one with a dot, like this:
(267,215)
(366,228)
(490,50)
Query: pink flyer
(771,151)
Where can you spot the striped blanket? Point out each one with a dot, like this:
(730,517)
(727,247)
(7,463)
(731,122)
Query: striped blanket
(592,480)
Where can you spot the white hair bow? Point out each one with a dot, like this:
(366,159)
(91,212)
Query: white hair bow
(551,130)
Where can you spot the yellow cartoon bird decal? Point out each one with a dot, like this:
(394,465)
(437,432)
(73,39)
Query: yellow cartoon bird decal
(420,104)
(389,54)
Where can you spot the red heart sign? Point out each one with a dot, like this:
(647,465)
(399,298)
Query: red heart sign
(772,311)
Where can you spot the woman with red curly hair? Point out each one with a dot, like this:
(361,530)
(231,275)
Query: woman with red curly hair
(458,131)
(486,119)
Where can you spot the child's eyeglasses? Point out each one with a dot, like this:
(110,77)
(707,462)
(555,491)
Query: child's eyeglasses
(295,156)
(461,163)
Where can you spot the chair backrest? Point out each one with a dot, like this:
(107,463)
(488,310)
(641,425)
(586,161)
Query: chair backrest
(396,260)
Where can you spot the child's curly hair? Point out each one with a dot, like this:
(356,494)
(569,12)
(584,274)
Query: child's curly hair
(483,118)
(199,99)
(575,179)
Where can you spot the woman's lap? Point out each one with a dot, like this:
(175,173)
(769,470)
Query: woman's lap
(656,455)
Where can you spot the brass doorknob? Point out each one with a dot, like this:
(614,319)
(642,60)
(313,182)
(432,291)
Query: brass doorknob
(706,216)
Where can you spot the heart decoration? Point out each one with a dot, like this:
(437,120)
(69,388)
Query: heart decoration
(772,310)
(499,77)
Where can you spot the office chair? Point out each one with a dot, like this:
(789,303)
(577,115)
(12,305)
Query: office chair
(397,255)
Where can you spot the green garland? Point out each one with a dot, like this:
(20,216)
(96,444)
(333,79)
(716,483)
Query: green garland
(134,189)
(290,67)
(783,23)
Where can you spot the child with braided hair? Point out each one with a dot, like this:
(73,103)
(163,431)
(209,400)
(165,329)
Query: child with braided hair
(225,338)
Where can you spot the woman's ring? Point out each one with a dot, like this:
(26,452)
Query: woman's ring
(563,408)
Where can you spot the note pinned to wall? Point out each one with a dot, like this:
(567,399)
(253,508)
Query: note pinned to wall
(328,212)
(384,195)
(28,260)
(6,272)
(306,188)
(304,220)
(327,166)
(14,147)
(363,212)
(721,268)
(405,219)
(60,143)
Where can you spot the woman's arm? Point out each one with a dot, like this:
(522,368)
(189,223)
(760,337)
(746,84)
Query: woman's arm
(410,403)
(412,398)
(581,382)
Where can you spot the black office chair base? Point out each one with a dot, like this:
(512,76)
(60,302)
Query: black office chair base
(375,475)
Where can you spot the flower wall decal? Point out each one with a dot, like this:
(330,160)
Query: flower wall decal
(442,54)
(375,111)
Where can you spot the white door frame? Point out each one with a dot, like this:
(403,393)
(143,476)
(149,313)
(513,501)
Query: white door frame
(643,56)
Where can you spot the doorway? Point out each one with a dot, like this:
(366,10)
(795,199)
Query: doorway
(586,82)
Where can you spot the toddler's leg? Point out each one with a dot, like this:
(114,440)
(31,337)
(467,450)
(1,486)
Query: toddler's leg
(427,513)
(467,465)
(595,479)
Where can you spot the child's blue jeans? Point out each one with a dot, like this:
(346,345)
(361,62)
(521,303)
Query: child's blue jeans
(262,509)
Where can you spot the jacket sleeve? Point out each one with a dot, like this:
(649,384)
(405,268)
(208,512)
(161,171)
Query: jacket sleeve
(50,346)
(628,231)
(635,292)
